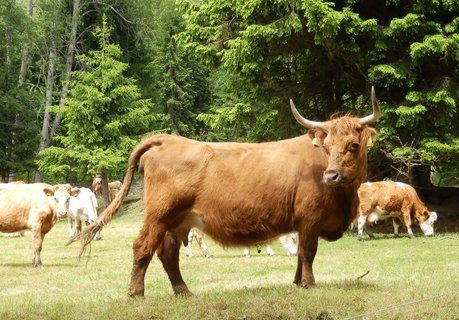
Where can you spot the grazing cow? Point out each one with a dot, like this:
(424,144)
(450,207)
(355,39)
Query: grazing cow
(199,236)
(288,242)
(36,207)
(396,200)
(82,208)
(113,187)
(242,194)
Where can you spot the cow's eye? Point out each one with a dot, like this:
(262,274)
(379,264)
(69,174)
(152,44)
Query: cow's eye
(354,147)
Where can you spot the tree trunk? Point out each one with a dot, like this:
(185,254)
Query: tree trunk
(48,130)
(45,131)
(68,63)
(25,50)
(104,187)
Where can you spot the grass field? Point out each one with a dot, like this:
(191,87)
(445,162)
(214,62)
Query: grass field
(407,279)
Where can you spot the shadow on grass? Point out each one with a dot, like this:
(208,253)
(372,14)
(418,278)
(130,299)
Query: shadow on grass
(29,265)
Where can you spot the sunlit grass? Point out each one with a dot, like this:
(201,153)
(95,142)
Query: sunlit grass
(407,279)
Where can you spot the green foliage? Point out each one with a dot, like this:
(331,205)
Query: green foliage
(103,117)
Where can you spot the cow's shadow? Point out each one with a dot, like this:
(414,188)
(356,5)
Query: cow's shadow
(28,265)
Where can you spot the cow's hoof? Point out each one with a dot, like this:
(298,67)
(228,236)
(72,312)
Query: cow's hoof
(134,294)
(308,285)
(181,290)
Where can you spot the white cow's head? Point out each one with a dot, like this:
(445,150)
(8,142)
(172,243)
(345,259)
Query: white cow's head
(428,225)
(61,194)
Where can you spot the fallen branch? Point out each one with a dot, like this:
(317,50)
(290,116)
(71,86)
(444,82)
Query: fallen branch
(363,275)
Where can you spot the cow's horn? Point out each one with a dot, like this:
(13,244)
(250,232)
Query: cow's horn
(376,112)
(303,121)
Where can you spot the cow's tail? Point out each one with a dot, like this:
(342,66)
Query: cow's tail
(106,216)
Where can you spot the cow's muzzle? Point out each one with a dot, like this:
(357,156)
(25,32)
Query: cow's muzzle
(62,214)
(334,178)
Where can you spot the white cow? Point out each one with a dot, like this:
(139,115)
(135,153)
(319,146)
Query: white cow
(82,208)
(199,236)
(289,243)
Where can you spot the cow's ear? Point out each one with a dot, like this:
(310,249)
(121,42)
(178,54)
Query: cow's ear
(74,192)
(317,136)
(48,191)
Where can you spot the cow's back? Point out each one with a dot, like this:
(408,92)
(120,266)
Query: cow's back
(22,204)
(387,195)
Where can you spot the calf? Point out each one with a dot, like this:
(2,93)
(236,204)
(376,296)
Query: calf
(396,200)
(35,207)
(82,208)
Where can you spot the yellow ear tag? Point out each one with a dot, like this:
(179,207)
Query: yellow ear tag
(369,142)
(315,142)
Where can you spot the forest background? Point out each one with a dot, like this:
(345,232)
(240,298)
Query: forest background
(82,81)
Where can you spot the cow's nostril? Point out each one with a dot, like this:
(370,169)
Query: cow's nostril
(332,177)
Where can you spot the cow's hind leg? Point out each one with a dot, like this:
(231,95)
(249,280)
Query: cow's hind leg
(144,247)
(168,253)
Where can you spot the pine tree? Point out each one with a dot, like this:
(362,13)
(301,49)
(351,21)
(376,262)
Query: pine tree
(103,116)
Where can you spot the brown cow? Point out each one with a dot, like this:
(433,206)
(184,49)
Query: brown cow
(113,187)
(396,200)
(242,194)
(36,207)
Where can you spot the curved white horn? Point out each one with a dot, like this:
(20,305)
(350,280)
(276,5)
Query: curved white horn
(376,111)
(303,121)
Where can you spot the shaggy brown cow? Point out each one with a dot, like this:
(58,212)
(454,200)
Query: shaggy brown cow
(399,201)
(36,207)
(242,194)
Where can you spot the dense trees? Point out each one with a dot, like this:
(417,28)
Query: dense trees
(224,70)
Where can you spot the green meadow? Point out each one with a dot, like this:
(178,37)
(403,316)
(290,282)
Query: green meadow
(385,278)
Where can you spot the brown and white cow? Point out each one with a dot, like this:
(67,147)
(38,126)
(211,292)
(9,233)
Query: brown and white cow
(242,194)
(36,207)
(399,201)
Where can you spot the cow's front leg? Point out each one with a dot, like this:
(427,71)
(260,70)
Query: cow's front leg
(396,225)
(70,226)
(168,253)
(307,249)
(144,247)
(37,241)
(407,221)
